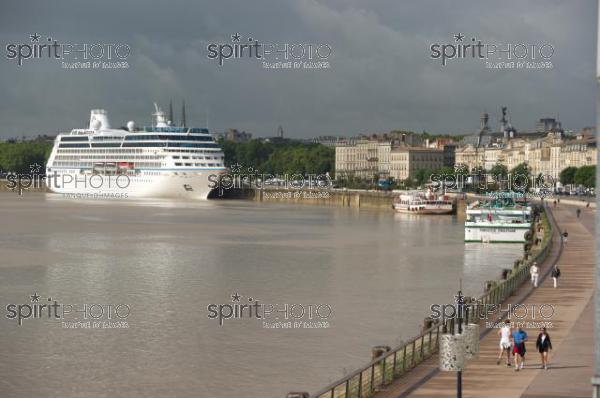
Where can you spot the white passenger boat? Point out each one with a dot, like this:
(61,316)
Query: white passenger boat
(423,203)
(498,221)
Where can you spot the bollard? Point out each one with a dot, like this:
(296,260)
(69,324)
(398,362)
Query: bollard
(379,350)
(427,323)
(488,285)
(297,395)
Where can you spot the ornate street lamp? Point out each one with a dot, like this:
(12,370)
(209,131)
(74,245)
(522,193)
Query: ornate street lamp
(471,340)
(452,353)
(456,349)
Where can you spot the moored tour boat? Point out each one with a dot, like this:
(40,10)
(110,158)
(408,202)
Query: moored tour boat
(423,203)
(498,221)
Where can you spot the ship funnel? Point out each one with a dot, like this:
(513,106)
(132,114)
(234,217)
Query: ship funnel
(160,119)
(99,120)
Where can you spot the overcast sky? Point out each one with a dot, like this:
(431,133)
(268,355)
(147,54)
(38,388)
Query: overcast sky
(381,76)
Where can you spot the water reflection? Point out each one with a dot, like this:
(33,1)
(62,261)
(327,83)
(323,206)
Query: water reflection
(168,260)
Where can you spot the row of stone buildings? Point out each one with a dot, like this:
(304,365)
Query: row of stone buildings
(547,155)
(547,151)
(370,158)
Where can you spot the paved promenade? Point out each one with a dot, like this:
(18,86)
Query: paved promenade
(571,361)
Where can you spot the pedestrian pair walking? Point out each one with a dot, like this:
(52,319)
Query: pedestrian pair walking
(514,340)
(535,274)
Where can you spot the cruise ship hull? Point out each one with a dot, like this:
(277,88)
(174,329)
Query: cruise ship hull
(193,186)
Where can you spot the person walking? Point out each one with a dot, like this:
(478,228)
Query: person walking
(519,338)
(578,211)
(555,275)
(535,274)
(543,344)
(565,236)
(505,333)
(554,203)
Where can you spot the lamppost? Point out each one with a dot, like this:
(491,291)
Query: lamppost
(596,378)
(460,302)
(457,348)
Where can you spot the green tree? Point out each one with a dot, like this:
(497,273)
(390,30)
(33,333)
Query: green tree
(567,176)
(586,176)
(521,178)
(446,170)
(286,157)
(20,157)
(521,169)
(478,170)
(422,176)
(499,170)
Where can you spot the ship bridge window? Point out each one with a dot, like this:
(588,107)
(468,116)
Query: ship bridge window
(198,130)
(191,145)
(156,137)
(106,138)
(143,144)
(170,129)
(71,139)
(106,145)
(74,145)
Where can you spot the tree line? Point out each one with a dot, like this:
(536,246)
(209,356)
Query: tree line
(278,158)
(20,157)
(283,157)
(584,176)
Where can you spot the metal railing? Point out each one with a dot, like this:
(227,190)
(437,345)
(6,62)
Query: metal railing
(364,382)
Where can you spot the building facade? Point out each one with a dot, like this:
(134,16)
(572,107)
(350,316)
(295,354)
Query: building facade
(405,161)
(547,156)
(369,159)
(363,159)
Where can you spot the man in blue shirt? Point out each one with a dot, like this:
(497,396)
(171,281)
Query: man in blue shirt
(519,338)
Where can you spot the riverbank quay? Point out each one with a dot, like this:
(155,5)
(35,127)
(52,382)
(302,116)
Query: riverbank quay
(26,185)
(415,355)
(378,200)
(353,198)
(572,359)
(337,197)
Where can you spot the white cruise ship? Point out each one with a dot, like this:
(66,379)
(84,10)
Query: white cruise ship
(161,161)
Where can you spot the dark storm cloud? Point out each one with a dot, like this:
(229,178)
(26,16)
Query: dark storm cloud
(381,76)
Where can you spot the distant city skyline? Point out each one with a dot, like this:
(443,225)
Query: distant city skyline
(493,124)
(382,75)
